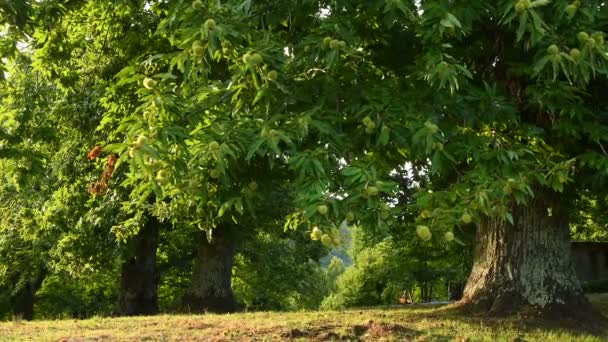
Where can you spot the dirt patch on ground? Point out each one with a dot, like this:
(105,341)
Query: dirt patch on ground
(374,330)
(295,333)
(318,333)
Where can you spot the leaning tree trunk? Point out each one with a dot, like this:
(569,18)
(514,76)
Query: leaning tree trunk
(526,266)
(211,288)
(139,276)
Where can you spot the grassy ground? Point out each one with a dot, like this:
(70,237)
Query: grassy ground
(387,324)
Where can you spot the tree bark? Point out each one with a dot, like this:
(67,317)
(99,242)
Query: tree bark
(211,286)
(455,290)
(25,298)
(139,276)
(527,266)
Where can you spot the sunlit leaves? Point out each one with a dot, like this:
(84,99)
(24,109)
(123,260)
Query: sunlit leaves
(485,98)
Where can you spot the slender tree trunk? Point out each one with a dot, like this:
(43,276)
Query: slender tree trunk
(455,290)
(211,286)
(25,298)
(139,276)
(526,266)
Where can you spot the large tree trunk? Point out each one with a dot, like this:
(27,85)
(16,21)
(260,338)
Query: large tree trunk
(211,287)
(139,276)
(25,298)
(526,266)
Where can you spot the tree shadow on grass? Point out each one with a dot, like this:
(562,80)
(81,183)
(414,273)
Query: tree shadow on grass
(526,320)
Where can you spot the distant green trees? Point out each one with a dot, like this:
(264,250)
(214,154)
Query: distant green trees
(385,267)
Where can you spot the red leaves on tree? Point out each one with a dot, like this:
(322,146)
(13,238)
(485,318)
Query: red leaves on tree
(101,186)
(94,153)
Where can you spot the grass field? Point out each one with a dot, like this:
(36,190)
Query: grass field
(387,324)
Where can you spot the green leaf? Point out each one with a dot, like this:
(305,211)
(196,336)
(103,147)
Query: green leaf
(450,21)
(384,136)
(509,218)
(523,21)
(116,147)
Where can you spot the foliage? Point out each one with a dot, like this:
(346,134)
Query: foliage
(589,219)
(14,12)
(595,286)
(63,296)
(333,270)
(363,283)
(231,86)
(382,271)
(279,273)
(50,109)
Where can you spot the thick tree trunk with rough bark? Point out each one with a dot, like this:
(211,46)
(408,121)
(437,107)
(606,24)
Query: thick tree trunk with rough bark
(139,276)
(211,286)
(526,266)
